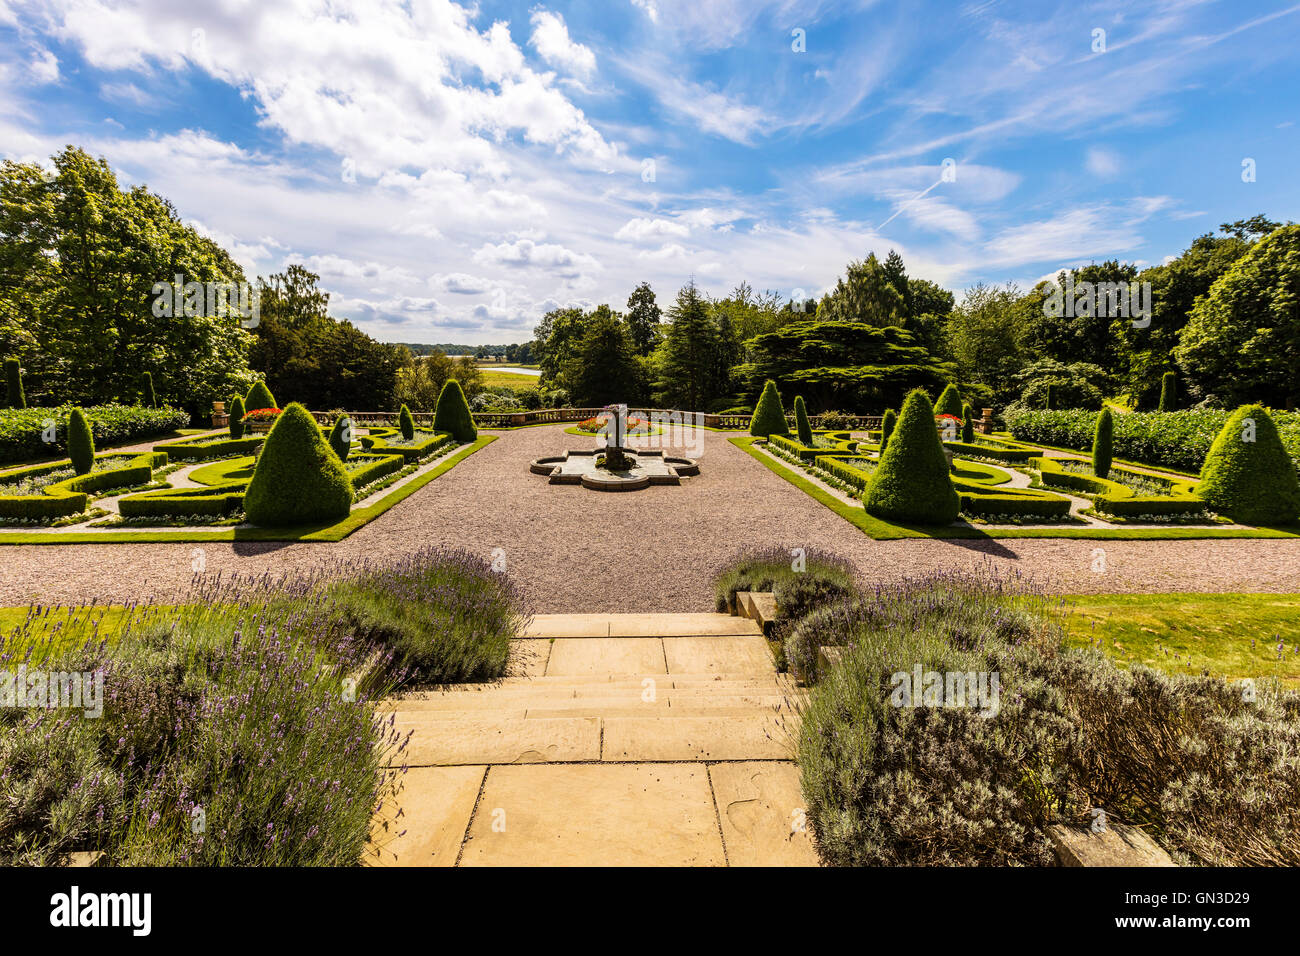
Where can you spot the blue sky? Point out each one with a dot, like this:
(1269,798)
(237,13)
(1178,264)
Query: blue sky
(453,171)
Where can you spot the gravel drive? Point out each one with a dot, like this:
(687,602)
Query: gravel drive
(652,550)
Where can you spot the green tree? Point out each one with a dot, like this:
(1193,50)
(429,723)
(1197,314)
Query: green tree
(887,423)
(557,337)
(236,425)
(865,295)
(769,414)
(298,479)
(986,339)
(604,368)
(1243,338)
(643,315)
(1102,438)
(1248,474)
(14,395)
(81,442)
(686,359)
(911,483)
(406,423)
(801,424)
(453,415)
(1168,392)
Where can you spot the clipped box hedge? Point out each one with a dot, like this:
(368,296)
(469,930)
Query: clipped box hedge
(843,444)
(377,466)
(1178,440)
(21,428)
(1111,497)
(1010,455)
(72,495)
(377,443)
(209,449)
(217,501)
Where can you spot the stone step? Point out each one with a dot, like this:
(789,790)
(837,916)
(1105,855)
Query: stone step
(487,704)
(638,625)
(674,711)
(704,682)
(699,738)
(488,740)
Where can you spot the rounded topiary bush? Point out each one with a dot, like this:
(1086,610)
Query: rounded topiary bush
(967,423)
(1102,438)
(453,415)
(297,480)
(801,421)
(949,402)
(259,396)
(237,417)
(340,439)
(1248,475)
(769,413)
(81,442)
(911,483)
(1169,392)
(406,423)
(14,384)
(887,423)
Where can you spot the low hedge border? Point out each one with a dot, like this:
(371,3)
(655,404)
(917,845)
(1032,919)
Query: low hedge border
(206,449)
(843,443)
(376,443)
(72,495)
(331,532)
(880,530)
(379,466)
(215,500)
(1112,497)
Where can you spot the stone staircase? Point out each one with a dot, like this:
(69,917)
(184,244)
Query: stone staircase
(634,739)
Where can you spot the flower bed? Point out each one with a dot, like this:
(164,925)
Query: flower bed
(389,441)
(70,495)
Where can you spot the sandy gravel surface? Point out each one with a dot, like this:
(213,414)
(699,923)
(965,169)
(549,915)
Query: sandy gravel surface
(652,550)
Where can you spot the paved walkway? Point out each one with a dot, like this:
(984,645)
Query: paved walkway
(578,550)
(637,740)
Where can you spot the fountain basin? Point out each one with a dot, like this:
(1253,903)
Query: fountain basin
(648,468)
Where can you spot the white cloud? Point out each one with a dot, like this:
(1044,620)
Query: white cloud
(641,229)
(1103,163)
(551,39)
(526,254)
(44,67)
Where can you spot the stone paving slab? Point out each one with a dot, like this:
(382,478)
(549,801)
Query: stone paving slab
(696,738)
(595,815)
(443,742)
(761,809)
(637,625)
(437,803)
(747,654)
(608,655)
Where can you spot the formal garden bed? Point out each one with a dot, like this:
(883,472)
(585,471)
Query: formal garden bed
(301,481)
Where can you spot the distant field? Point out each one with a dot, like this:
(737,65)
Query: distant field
(499,376)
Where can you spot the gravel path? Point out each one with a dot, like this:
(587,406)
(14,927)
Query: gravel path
(652,550)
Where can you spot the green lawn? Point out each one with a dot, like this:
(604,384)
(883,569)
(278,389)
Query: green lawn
(500,376)
(1230,635)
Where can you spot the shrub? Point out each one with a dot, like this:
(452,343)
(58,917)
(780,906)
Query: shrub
(801,425)
(150,395)
(1247,474)
(22,430)
(1209,773)
(81,442)
(236,425)
(259,396)
(453,415)
(799,583)
(443,614)
(887,423)
(259,734)
(297,480)
(769,413)
(912,482)
(529,398)
(967,424)
(340,439)
(14,384)
(949,402)
(1101,444)
(1178,440)
(406,423)
(1168,392)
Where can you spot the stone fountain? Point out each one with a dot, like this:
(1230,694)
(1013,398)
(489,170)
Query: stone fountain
(615,467)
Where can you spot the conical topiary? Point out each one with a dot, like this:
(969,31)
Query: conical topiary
(81,442)
(911,483)
(14,384)
(406,422)
(949,402)
(887,423)
(769,413)
(967,423)
(341,437)
(452,413)
(1101,444)
(236,417)
(1168,392)
(801,421)
(1248,475)
(259,396)
(297,480)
